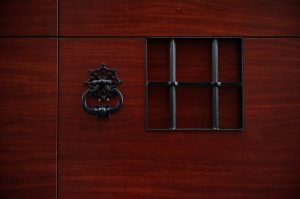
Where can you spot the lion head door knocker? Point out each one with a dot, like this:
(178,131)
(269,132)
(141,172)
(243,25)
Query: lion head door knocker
(102,85)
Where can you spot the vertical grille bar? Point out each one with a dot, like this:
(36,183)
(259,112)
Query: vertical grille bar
(146,84)
(172,83)
(215,89)
(242,83)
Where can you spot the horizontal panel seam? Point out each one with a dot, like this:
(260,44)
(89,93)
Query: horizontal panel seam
(142,37)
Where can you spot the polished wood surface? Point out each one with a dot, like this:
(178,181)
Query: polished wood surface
(179,18)
(28,118)
(117,158)
(90,156)
(52,149)
(30,17)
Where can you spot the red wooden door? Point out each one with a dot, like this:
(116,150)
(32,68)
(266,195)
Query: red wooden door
(117,158)
(51,148)
(28,118)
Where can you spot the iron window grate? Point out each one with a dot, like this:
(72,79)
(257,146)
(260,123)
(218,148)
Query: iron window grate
(215,85)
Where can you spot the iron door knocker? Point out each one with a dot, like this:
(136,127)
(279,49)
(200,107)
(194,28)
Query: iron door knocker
(102,85)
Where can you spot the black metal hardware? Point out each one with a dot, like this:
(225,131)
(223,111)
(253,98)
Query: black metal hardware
(172,84)
(215,84)
(103,85)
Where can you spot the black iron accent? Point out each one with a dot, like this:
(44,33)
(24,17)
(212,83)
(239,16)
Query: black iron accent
(242,93)
(215,84)
(195,84)
(172,84)
(102,85)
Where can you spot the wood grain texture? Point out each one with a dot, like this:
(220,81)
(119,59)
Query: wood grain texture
(180,18)
(158,60)
(28,118)
(30,17)
(116,158)
(194,105)
(193,60)
(158,107)
(88,155)
(230,107)
(229,60)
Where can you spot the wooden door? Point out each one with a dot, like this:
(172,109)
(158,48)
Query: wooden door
(28,99)
(51,148)
(118,158)
(28,118)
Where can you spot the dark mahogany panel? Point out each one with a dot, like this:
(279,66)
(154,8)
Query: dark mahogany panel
(117,158)
(272,101)
(28,118)
(93,160)
(193,60)
(180,18)
(30,17)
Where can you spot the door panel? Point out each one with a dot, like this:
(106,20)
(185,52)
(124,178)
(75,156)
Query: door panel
(89,156)
(30,17)
(117,158)
(28,118)
(179,18)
